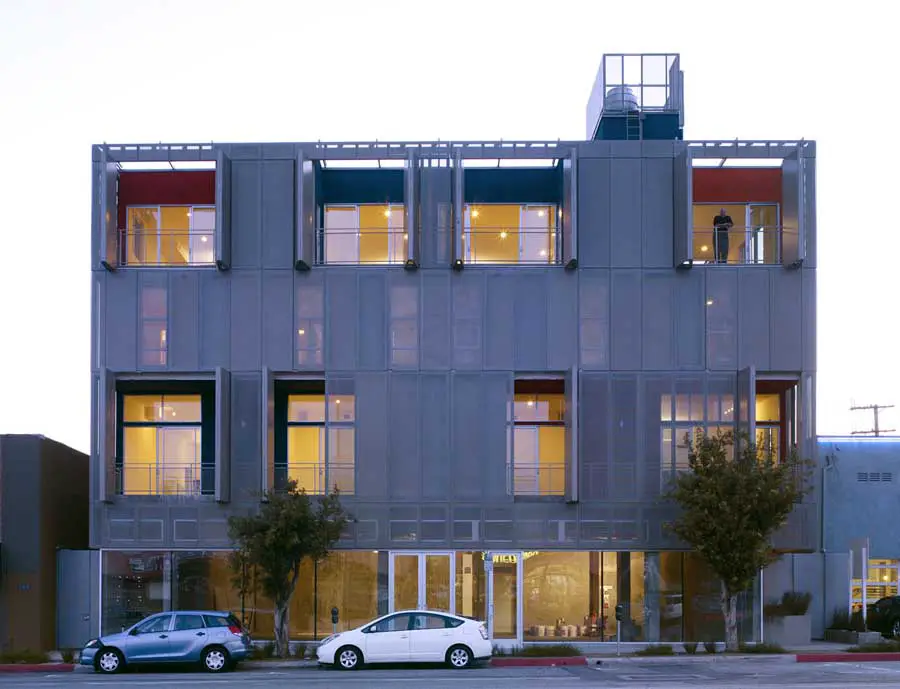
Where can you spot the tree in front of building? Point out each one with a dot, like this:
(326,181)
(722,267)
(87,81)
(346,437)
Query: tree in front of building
(270,546)
(732,503)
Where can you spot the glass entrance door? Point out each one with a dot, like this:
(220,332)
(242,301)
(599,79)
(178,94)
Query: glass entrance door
(420,581)
(761,234)
(504,572)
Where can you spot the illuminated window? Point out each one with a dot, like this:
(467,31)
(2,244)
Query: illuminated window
(320,440)
(511,233)
(539,438)
(161,446)
(170,235)
(682,415)
(364,234)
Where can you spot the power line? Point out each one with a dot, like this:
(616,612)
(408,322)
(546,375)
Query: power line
(874,408)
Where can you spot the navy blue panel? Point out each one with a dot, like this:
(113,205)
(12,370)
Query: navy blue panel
(359,186)
(514,185)
(657,126)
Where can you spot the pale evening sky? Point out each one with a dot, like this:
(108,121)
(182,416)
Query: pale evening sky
(78,72)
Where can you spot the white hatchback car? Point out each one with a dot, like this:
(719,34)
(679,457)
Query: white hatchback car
(409,636)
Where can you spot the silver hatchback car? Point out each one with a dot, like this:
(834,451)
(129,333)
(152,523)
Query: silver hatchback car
(215,640)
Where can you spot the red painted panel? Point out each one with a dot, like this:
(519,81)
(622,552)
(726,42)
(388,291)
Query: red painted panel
(175,188)
(737,185)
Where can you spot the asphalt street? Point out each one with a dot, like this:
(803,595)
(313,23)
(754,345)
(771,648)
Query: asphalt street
(756,673)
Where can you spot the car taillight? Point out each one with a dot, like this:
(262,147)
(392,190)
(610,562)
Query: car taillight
(237,631)
(483,632)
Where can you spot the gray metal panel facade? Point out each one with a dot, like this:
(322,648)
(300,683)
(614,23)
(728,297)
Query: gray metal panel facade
(431,425)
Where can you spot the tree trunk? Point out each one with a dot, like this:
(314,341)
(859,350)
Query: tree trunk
(282,615)
(729,612)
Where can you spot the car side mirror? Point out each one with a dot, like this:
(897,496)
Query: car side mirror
(133,632)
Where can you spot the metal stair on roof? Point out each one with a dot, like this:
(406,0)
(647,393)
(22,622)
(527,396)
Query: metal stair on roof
(633,129)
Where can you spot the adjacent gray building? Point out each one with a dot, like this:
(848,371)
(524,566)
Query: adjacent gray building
(492,348)
(43,507)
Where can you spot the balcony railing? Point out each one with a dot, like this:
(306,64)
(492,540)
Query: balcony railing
(512,245)
(761,244)
(166,247)
(156,478)
(539,478)
(317,478)
(361,245)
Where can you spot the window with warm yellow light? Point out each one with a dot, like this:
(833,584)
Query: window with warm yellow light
(170,235)
(768,424)
(365,234)
(510,233)
(755,235)
(321,443)
(539,438)
(161,445)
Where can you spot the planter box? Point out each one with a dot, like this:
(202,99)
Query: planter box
(787,632)
(845,636)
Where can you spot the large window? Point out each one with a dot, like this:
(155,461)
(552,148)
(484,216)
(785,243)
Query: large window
(743,234)
(364,233)
(511,233)
(170,235)
(539,438)
(134,586)
(317,440)
(684,413)
(162,448)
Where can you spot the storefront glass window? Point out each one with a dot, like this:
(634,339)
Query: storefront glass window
(556,593)
(135,584)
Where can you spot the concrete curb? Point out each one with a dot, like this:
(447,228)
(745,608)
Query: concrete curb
(847,657)
(519,661)
(37,667)
(691,659)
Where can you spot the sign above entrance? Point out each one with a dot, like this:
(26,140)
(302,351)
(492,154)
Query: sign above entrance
(508,558)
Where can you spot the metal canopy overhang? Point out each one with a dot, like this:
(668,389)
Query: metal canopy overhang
(387,150)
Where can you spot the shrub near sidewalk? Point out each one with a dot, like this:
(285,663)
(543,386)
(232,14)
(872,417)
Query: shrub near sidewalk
(25,657)
(548,651)
(657,650)
(883,647)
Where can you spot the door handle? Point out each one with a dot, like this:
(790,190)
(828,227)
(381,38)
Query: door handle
(201,633)
(404,636)
(163,636)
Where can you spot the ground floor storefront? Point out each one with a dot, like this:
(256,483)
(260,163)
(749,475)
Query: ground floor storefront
(524,596)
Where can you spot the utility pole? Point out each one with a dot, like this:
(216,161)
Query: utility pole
(875,408)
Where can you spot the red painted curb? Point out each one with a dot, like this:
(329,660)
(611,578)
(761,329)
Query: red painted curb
(40,667)
(846,657)
(538,662)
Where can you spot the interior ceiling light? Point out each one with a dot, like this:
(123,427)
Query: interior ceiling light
(202,239)
(704,248)
(405,236)
(503,234)
(543,252)
(541,213)
(474,212)
(387,213)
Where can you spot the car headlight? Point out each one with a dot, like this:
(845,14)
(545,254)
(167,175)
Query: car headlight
(93,643)
(329,639)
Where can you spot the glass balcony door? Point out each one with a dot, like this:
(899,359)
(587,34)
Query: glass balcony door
(762,240)
(422,581)
(504,576)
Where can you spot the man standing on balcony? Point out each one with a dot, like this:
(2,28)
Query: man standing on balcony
(722,222)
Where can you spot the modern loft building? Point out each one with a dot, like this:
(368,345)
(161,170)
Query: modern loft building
(493,348)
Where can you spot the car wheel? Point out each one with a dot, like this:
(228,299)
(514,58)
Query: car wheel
(347,658)
(109,661)
(215,659)
(459,657)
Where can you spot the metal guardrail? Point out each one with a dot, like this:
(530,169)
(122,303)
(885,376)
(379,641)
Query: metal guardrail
(166,247)
(539,478)
(361,245)
(317,478)
(740,245)
(164,478)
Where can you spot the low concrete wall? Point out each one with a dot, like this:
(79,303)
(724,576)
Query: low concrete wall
(788,632)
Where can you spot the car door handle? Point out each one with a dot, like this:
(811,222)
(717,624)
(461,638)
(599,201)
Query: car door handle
(404,636)
(201,633)
(163,636)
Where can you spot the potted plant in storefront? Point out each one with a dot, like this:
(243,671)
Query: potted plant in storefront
(849,629)
(787,621)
